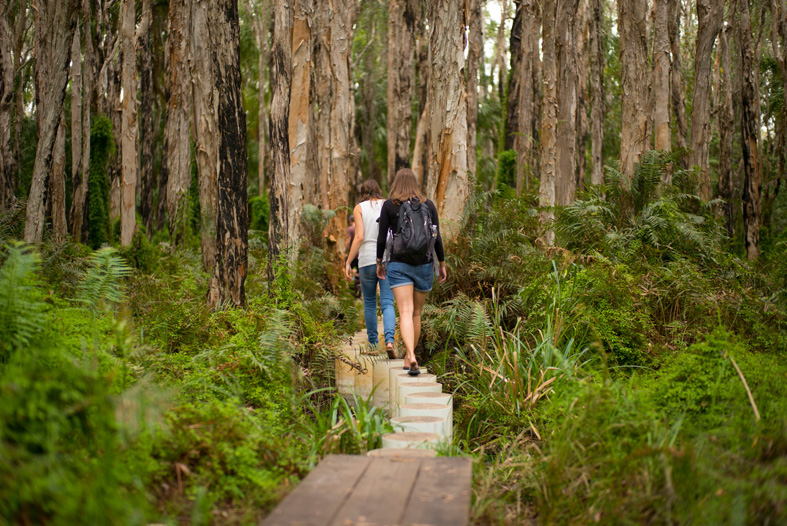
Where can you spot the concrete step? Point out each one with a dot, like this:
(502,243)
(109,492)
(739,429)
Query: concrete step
(439,410)
(410,440)
(381,379)
(407,388)
(402,453)
(399,376)
(428,397)
(421,424)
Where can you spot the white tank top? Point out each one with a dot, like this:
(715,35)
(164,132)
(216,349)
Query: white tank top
(370,211)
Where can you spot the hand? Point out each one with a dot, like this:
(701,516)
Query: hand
(348,272)
(380,271)
(443,272)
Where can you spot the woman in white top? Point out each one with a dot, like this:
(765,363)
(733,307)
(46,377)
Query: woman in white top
(364,245)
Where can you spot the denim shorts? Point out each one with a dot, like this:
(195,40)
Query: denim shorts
(419,276)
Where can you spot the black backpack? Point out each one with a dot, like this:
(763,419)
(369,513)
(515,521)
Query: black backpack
(414,241)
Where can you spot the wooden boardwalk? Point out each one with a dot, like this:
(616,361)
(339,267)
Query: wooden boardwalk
(347,490)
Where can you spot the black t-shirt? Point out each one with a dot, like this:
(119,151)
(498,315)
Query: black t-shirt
(389,218)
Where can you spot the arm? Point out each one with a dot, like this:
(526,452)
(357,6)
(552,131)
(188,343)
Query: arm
(357,240)
(438,246)
(382,236)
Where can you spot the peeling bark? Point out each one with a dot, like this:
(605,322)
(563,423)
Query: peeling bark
(448,184)
(474,56)
(55,23)
(635,133)
(709,15)
(7,167)
(177,138)
(549,120)
(676,79)
(661,72)
(57,184)
(597,96)
(79,208)
(726,121)
(145,61)
(401,81)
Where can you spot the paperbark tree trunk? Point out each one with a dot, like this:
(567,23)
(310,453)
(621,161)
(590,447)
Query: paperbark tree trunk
(79,207)
(147,177)
(597,96)
(401,81)
(55,23)
(129,127)
(709,16)
(499,60)
(281,80)
(676,71)
(177,138)
(342,111)
(661,76)
(57,184)
(206,98)
(422,138)
(549,120)
(635,132)
(475,53)
(448,183)
(7,167)
(261,24)
(229,271)
(76,111)
(579,56)
(300,106)
(20,55)
(568,47)
(726,131)
(750,126)
(112,108)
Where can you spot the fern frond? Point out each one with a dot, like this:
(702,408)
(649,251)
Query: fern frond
(21,307)
(102,286)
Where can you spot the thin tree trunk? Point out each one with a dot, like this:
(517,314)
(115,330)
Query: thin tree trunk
(709,15)
(7,167)
(401,82)
(568,47)
(448,183)
(229,270)
(342,111)
(597,96)
(579,56)
(57,184)
(281,81)
(79,207)
(76,113)
(112,108)
(20,25)
(475,55)
(499,60)
(55,24)
(261,26)
(516,80)
(421,147)
(129,127)
(750,126)
(177,138)
(299,116)
(635,133)
(206,98)
(147,177)
(676,71)
(726,131)
(661,79)
(549,119)
(322,100)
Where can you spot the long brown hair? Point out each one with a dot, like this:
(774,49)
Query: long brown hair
(404,187)
(370,190)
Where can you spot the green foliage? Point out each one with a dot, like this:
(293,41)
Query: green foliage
(102,146)
(314,221)
(260,213)
(22,312)
(506,174)
(101,287)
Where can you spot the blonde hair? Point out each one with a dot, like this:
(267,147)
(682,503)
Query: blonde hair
(404,187)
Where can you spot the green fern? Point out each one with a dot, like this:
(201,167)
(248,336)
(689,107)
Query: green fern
(21,306)
(102,286)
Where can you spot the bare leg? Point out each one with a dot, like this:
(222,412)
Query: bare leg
(404,302)
(418,304)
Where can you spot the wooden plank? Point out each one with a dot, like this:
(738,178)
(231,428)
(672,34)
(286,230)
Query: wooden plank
(317,498)
(441,494)
(379,498)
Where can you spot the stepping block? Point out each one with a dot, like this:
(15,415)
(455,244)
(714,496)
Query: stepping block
(345,375)
(410,439)
(364,381)
(429,397)
(439,410)
(402,453)
(381,379)
(393,383)
(408,388)
(420,424)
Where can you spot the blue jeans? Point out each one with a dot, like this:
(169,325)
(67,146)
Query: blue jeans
(369,283)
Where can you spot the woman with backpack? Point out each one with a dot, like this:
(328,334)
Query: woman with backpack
(415,250)
(366,214)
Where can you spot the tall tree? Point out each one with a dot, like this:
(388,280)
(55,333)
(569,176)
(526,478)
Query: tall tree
(261,23)
(146,131)
(401,81)
(597,96)
(475,54)
(55,23)
(21,54)
(676,75)
(709,15)
(76,110)
(129,127)
(206,98)
(750,129)
(726,121)
(661,76)
(229,272)
(300,106)
(57,184)
(635,132)
(422,132)
(448,184)
(281,80)
(499,60)
(177,138)
(549,118)
(6,109)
